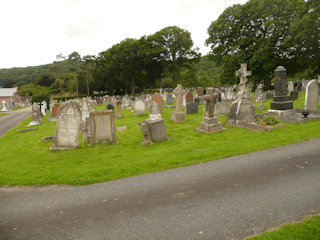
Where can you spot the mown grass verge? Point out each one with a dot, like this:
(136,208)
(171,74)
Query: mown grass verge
(309,229)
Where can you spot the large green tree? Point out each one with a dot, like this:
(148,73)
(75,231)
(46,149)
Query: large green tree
(175,47)
(254,33)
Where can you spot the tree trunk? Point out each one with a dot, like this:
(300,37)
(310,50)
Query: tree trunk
(267,84)
(88,90)
(132,87)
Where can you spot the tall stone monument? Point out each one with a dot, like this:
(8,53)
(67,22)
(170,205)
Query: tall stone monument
(179,115)
(242,109)
(210,124)
(281,100)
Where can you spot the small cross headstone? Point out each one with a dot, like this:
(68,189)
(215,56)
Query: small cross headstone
(179,115)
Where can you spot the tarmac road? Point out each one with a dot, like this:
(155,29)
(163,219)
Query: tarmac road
(224,199)
(12,119)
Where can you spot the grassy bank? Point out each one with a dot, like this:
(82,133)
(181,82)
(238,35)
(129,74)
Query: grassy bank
(26,160)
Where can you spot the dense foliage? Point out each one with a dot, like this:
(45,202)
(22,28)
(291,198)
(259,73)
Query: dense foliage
(266,34)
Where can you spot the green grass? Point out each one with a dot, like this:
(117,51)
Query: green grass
(3,114)
(26,160)
(16,109)
(309,229)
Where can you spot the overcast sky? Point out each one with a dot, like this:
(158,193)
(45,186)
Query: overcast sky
(33,32)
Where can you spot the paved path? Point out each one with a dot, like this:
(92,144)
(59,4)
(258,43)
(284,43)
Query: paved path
(12,119)
(225,199)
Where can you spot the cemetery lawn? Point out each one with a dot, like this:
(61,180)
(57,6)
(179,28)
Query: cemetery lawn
(2,114)
(307,230)
(26,160)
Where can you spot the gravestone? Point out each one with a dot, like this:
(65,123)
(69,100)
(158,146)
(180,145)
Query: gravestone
(99,101)
(153,130)
(200,91)
(290,86)
(242,109)
(67,130)
(312,95)
(86,132)
(269,95)
(43,108)
(36,115)
(179,115)
(157,98)
(102,126)
(210,124)
(4,108)
(54,112)
(85,108)
(221,108)
(154,110)
(139,107)
(281,100)
(243,73)
(294,95)
(119,109)
(110,107)
(189,97)
(170,99)
(192,108)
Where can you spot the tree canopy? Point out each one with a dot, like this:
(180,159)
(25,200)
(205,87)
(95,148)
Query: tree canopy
(263,33)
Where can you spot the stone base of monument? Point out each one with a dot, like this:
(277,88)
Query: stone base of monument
(250,125)
(294,115)
(178,117)
(210,125)
(54,148)
(241,110)
(153,130)
(281,103)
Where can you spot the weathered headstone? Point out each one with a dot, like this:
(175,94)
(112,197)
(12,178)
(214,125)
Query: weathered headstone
(54,112)
(210,124)
(139,107)
(189,97)
(192,108)
(312,95)
(170,99)
(294,95)
(153,130)
(85,108)
(179,115)
(102,126)
(99,101)
(200,91)
(68,122)
(221,108)
(154,110)
(281,100)
(36,115)
(157,98)
(290,86)
(119,109)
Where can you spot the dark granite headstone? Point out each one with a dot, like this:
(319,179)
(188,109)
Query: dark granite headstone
(294,95)
(110,107)
(192,108)
(281,100)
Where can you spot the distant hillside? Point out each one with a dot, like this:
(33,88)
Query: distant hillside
(29,74)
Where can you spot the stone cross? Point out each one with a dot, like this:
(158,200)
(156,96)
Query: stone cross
(40,105)
(210,98)
(243,74)
(179,92)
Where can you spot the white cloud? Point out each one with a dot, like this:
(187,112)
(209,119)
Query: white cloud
(33,32)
